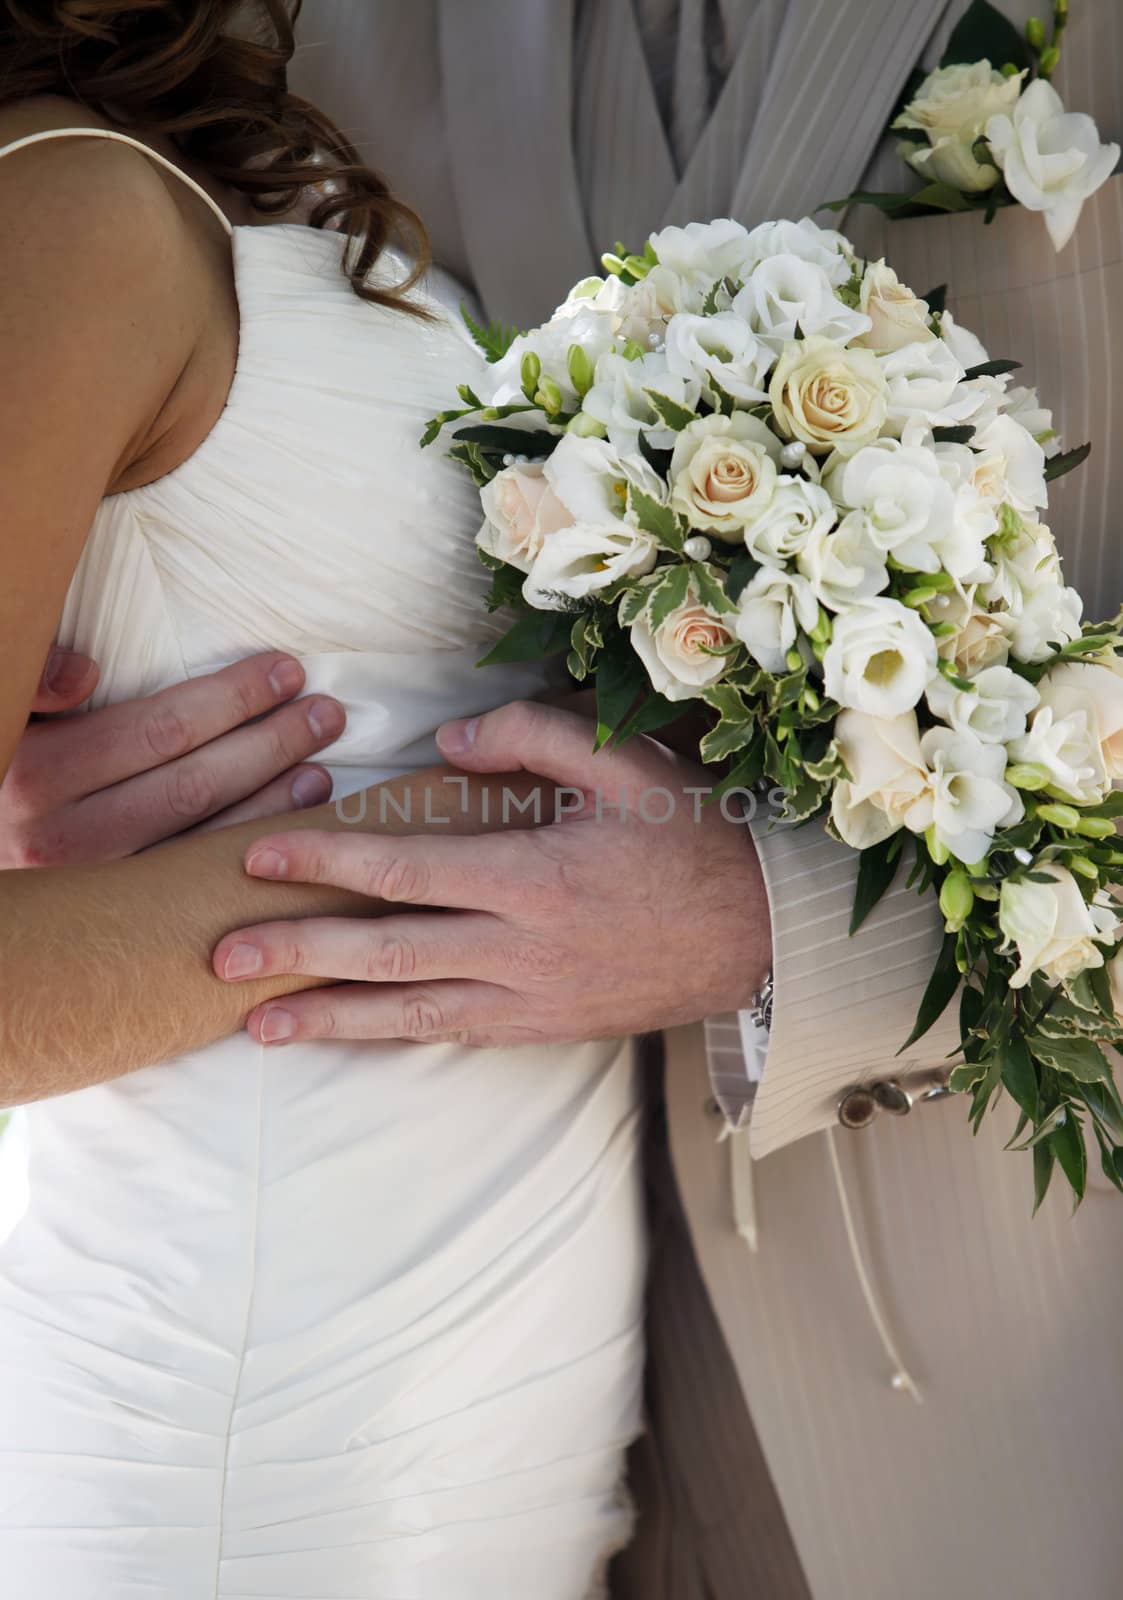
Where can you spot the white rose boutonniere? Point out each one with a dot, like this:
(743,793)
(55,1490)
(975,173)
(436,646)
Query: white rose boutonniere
(951,109)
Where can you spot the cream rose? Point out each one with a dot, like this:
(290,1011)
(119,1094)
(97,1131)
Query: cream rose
(1056,932)
(1097,691)
(678,653)
(897,316)
(723,473)
(981,638)
(522,510)
(887,775)
(829,397)
(951,108)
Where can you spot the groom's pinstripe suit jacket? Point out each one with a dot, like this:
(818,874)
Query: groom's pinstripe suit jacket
(527,133)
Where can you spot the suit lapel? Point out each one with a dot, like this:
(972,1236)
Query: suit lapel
(507,69)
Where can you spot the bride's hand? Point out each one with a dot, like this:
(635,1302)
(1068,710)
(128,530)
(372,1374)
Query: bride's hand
(593,925)
(216,750)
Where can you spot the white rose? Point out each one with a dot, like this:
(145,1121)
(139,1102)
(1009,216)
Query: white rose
(1099,691)
(721,349)
(966,797)
(592,479)
(951,108)
(1052,160)
(965,346)
(887,775)
(522,510)
(824,247)
(501,383)
(1066,747)
(923,382)
(797,511)
(994,709)
(678,654)
(828,397)
(897,316)
(774,606)
(723,472)
(1056,932)
(880,658)
(844,565)
(575,562)
(909,506)
(702,252)
(619,400)
(1012,466)
(785,293)
(1025,407)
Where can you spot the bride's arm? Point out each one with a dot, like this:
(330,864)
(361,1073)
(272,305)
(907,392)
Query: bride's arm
(108,968)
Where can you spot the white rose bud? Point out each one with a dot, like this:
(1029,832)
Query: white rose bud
(1052,160)
(797,511)
(829,397)
(723,472)
(1056,932)
(678,654)
(897,316)
(774,607)
(950,109)
(522,511)
(880,658)
(887,776)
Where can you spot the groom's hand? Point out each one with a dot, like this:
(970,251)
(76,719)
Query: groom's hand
(215,750)
(591,926)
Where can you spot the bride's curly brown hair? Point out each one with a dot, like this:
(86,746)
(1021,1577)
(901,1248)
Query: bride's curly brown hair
(212,76)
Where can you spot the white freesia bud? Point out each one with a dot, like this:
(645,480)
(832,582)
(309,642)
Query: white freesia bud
(1052,160)
(522,511)
(880,658)
(785,293)
(501,382)
(830,398)
(844,565)
(1065,747)
(578,561)
(966,798)
(796,511)
(887,776)
(994,709)
(593,479)
(723,472)
(720,350)
(950,109)
(679,653)
(774,607)
(897,316)
(1056,932)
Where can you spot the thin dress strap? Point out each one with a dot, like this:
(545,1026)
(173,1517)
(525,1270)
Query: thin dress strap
(122,138)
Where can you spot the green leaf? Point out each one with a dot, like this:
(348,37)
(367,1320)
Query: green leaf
(709,590)
(655,712)
(1111,1161)
(537,635)
(1019,1076)
(658,460)
(509,441)
(877,867)
(983,33)
(1043,1164)
(620,681)
(494,339)
(937,995)
(992,369)
(959,435)
(1067,1144)
(674,415)
(506,585)
(1102,1100)
(1057,466)
(659,521)
(742,569)
(1080,1058)
(667,595)
(936,299)
(942,197)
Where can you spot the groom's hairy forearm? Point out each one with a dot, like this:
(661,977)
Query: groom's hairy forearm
(106,969)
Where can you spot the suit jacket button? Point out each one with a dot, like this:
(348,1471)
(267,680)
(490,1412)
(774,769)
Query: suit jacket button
(892,1098)
(858,1107)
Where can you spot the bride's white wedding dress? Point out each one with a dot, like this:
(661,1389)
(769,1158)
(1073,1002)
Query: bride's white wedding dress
(334,1321)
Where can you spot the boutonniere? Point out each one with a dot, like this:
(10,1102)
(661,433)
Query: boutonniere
(987,129)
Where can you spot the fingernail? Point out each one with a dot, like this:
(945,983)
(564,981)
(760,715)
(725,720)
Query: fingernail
(311,788)
(64,671)
(267,864)
(326,718)
(286,678)
(242,961)
(455,738)
(276,1025)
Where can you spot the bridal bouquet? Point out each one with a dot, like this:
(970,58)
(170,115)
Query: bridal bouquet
(751,473)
